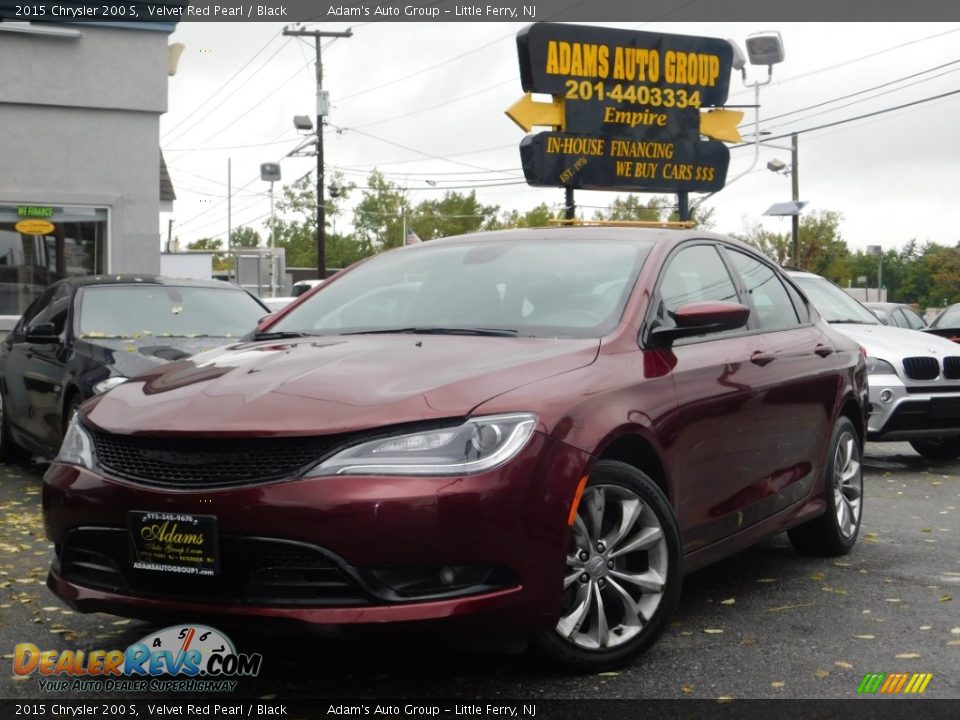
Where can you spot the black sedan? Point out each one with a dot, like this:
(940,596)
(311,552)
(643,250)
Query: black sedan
(85,335)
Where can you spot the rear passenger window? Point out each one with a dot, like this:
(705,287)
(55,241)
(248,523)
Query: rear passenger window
(771,301)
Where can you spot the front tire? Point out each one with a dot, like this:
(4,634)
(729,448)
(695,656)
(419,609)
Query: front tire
(835,532)
(623,575)
(941,449)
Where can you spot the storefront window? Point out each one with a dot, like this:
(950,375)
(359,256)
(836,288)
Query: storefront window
(42,244)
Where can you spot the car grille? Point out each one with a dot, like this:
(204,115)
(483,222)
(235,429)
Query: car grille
(208,462)
(921,368)
(913,415)
(951,367)
(253,571)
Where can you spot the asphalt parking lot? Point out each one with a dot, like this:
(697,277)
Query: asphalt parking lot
(766,623)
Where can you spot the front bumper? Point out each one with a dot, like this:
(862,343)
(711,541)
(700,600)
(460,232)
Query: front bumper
(907,412)
(326,551)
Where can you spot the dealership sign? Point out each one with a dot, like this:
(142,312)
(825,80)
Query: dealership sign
(627,107)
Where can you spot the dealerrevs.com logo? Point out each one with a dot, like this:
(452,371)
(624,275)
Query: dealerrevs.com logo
(894,683)
(180,658)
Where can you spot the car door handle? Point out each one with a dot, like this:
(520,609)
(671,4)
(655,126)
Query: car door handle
(762,358)
(823,350)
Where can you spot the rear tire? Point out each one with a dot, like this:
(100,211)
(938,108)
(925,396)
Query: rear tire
(941,449)
(9,450)
(835,532)
(623,576)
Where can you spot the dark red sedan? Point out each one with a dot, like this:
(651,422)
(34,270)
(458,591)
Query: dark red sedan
(533,432)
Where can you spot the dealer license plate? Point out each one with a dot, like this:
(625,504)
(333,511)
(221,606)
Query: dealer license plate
(177,543)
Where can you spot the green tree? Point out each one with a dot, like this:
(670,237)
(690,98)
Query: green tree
(822,249)
(629,208)
(295,224)
(454,214)
(211,245)
(244,237)
(378,217)
(539,216)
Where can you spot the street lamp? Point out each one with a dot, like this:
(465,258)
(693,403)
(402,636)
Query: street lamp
(793,170)
(763,48)
(270,172)
(878,251)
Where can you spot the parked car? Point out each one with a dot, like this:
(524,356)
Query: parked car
(947,324)
(303,286)
(897,315)
(538,435)
(914,376)
(85,335)
(277,303)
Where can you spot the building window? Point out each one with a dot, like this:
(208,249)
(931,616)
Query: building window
(42,244)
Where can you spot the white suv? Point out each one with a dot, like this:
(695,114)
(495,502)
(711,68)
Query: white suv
(914,376)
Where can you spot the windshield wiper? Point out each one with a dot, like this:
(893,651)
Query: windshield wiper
(851,321)
(279,335)
(491,332)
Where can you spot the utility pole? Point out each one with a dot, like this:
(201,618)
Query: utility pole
(321,112)
(795,182)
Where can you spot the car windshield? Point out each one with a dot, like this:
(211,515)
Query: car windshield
(133,311)
(833,303)
(949,318)
(530,288)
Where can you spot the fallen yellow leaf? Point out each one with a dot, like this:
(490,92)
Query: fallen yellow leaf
(908,656)
(777,684)
(780,608)
(713,631)
(686,689)
(865,637)
(822,673)
(728,601)
(844,665)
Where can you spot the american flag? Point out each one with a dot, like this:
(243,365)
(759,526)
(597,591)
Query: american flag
(412,238)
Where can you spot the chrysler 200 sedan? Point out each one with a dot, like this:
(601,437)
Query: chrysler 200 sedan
(534,432)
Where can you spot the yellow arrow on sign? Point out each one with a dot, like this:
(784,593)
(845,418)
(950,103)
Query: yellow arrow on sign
(527,112)
(721,125)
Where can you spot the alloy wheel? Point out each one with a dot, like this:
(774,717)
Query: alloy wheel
(847,484)
(617,569)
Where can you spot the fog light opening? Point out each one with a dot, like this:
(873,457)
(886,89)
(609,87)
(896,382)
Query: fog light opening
(886,396)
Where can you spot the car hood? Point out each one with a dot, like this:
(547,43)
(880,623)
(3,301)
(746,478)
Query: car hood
(885,342)
(132,356)
(335,384)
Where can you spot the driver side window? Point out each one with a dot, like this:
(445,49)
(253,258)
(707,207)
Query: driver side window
(695,274)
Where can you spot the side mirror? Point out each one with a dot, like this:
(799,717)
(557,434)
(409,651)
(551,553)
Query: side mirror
(264,320)
(45,333)
(702,318)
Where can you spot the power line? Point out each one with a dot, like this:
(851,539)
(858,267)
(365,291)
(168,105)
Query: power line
(232,77)
(222,100)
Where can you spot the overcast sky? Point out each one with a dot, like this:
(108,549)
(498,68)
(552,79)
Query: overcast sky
(424,104)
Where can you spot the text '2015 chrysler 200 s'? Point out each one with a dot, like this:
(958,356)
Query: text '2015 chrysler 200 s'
(534,432)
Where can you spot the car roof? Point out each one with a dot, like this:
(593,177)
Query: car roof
(143,279)
(585,233)
(885,305)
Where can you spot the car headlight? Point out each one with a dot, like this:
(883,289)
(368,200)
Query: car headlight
(108,384)
(876,366)
(477,445)
(77,446)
